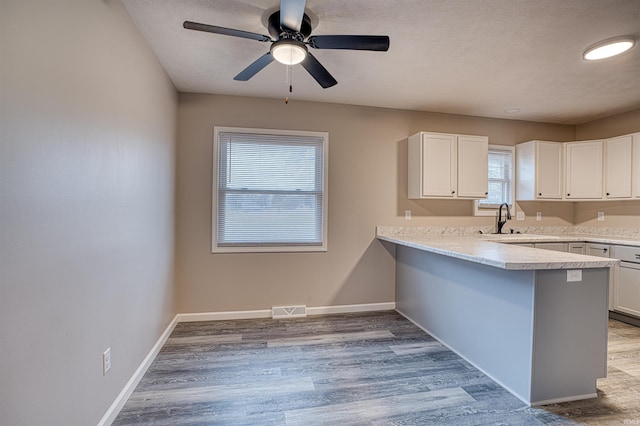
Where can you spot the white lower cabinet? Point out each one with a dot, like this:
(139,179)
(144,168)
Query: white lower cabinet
(627,286)
(577,248)
(603,250)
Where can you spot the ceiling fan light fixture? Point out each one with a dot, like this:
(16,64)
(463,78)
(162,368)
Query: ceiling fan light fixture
(608,48)
(288,51)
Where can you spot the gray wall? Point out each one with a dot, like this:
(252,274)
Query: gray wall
(87,153)
(367,187)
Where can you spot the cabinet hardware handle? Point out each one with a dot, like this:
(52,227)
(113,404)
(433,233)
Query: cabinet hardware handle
(604,250)
(539,193)
(453,192)
(637,256)
(568,195)
(486,193)
(608,194)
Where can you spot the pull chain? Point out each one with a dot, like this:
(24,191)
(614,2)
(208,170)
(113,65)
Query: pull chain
(289,74)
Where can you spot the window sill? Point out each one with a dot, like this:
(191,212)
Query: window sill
(269,249)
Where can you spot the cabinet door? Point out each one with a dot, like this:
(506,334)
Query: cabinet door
(618,167)
(584,170)
(599,250)
(636,165)
(548,173)
(627,296)
(439,165)
(473,152)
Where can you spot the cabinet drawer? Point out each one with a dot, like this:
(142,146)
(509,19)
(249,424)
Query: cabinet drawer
(578,248)
(627,253)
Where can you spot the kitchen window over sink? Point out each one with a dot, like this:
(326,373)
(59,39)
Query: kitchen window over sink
(501,178)
(269,190)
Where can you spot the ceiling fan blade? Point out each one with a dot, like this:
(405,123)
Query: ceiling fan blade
(318,72)
(224,31)
(350,42)
(255,67)
(291,13)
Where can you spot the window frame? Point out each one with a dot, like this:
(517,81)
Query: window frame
(261,248)
(492,210)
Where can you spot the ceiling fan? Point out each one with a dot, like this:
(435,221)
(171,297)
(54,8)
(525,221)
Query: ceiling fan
(290,28)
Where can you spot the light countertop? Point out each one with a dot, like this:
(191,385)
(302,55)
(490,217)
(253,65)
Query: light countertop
(489,249)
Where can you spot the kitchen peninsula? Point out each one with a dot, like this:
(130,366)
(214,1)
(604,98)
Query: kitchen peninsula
(533,320)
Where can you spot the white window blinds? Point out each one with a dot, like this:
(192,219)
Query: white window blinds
(500,178)
(270,189)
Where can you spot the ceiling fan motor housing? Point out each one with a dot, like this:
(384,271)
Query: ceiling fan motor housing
(278,32)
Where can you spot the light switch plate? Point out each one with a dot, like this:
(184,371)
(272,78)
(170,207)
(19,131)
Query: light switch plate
(520,216)
(538,215)
(574,275)
(407,215)
(600,216)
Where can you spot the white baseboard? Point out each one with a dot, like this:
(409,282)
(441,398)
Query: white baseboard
(128,389)
(345,309)
(221,316)
(565,399)
(266,313)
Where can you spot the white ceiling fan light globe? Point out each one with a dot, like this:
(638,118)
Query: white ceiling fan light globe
(289,52)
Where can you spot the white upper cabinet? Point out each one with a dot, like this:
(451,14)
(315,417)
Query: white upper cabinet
(439,156)
(539,171)
(444,165)
(579,171)
(473,160)
(636,165)
(583,170)
(618,161)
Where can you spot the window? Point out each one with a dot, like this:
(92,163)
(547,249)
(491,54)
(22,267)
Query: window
(269,190)
(501,175)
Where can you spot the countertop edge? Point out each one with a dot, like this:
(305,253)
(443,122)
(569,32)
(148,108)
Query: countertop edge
(546,259)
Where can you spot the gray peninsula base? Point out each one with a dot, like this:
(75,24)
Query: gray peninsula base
(542,338)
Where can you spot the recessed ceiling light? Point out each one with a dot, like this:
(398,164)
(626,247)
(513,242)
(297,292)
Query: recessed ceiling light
(512,110)
(608,48)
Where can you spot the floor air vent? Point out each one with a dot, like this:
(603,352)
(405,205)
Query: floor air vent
(279,312)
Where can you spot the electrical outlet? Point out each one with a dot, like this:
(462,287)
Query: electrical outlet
(520,216)
(538,215)
(106,361)
(407,215)
(600,216)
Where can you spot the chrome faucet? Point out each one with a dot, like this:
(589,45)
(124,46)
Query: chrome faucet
(500,221)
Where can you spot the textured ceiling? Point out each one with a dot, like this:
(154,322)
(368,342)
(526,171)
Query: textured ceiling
(471,57)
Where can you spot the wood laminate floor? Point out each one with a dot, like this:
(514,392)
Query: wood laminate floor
(351,369)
